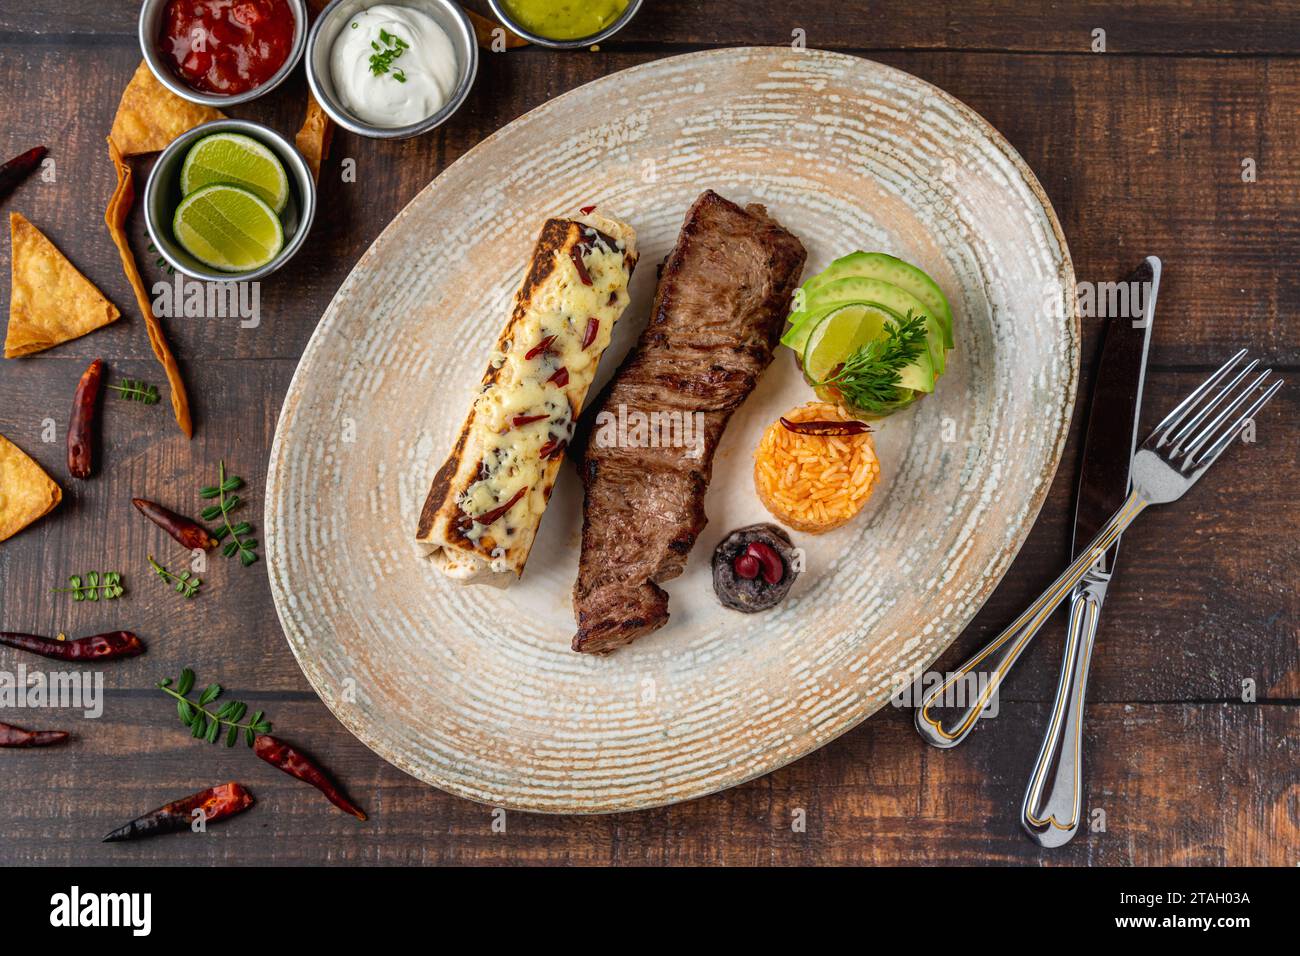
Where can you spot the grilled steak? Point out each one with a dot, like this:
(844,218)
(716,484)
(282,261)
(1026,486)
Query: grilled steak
(724,293)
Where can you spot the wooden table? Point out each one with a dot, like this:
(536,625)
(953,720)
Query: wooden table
(1141,149)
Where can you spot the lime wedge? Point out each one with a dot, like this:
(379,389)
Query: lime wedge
(228,228)
(237,160)
(842,331)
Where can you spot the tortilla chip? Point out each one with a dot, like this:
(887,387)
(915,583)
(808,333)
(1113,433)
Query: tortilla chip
(313,140)
(26,491)
(49,300)
(119,206)
(149,116)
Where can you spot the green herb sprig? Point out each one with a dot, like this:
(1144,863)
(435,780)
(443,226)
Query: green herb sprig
(869,378)
(205,724)
(136,391)
(184,583)
(387,49)
(93,587)
(227,501)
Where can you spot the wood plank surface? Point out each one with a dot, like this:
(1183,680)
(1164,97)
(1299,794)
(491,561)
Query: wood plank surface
(1139,148)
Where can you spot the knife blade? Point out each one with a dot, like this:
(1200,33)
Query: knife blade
(1113,415)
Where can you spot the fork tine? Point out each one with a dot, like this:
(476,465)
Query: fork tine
(1190,425)
(1211,454)
(1211,431)
(1160,433)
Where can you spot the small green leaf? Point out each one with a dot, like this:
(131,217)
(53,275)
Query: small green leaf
(210,491)
(242,528)
(75,581)
(250,735)
(210,512)
(186,710)
(92,579)
(229,503)
(197,728)
(247,558)
(221,533)
(186,683)
(237,710)
(230,548)
(232,483)
(214,728)
(210,693)
(233,736)
(224,711)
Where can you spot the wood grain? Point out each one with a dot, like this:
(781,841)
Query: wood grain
(1140,150)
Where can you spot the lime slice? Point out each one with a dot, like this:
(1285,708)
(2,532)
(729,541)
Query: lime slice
(842,331)
(239,161)
(228,228)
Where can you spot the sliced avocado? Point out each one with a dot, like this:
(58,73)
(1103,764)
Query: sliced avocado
(888,296)
(887,268)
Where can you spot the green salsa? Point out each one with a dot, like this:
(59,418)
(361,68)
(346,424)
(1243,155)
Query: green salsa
(565,19)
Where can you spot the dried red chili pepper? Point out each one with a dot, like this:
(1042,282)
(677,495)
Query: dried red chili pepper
(491,516)
(189,533)
(575,253)
(543,346)
(11,736)
(828,428)
(560,378)
(217,803)
(519,421)
(552,449)
(82,424)
(97,647)
(593,327)
(19,168)
(587,210)
(297,764)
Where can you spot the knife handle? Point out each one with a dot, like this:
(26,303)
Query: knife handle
(992,663)
(1052,808)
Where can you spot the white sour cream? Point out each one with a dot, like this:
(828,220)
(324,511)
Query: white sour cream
(412,84)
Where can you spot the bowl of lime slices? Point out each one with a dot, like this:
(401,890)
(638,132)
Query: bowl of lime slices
(229,200)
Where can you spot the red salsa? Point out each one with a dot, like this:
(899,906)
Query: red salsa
(226,46)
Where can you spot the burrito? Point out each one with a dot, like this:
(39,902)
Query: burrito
(486,503)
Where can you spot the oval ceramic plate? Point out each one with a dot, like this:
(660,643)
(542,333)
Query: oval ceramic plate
(474,689)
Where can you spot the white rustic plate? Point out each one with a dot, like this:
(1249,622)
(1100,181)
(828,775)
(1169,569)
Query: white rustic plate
(475,690)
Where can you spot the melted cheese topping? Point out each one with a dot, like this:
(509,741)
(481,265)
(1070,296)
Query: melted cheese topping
(511,445)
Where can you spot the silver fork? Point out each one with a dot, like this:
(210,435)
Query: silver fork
(1172,459)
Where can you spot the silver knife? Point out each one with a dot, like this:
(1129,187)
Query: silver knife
(1052,808)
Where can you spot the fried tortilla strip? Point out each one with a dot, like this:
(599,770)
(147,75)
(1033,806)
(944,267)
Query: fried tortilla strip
(313,140)
(49,300)
(26,491)
(149,116)
(115,218)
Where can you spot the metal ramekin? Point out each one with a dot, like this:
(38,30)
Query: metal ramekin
(335,17)
(498,8)
(151,16)
(162,194)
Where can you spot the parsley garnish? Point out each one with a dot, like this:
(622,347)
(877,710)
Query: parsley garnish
(382,59)
(869,378)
